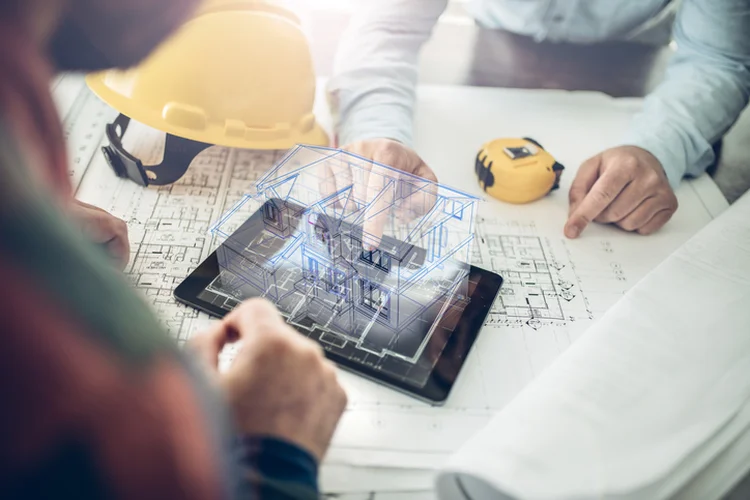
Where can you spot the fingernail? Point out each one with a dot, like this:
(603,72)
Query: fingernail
(574,231)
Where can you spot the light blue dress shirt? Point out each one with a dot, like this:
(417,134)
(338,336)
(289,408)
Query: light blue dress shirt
(373,90)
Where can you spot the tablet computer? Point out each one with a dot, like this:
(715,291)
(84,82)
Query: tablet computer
(364,322)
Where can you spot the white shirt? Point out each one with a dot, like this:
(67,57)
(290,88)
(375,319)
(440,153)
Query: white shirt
(373,90)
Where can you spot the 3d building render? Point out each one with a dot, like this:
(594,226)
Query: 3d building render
(365,255)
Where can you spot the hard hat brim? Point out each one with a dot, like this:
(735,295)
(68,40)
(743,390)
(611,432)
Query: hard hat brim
(212,134)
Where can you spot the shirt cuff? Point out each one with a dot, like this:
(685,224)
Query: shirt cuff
(673,163)
(375,123)
(279,461)
(369,115)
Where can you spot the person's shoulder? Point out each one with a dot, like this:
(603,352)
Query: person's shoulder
(38,241)
(86,367)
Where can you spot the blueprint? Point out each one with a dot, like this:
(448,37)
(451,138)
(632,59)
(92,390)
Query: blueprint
(554,288)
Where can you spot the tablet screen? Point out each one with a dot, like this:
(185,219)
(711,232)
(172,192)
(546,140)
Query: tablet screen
(353,300)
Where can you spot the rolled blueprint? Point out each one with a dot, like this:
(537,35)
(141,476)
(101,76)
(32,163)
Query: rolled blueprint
(654,393)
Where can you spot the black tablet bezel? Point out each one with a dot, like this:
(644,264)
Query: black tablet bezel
(446,370)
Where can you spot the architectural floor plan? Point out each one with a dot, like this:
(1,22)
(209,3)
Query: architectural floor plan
(530,324)
(555,288)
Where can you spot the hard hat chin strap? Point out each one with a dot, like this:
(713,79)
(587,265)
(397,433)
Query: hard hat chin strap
(178,154)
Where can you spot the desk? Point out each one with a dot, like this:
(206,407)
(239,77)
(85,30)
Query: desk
(162,223)
(578,280)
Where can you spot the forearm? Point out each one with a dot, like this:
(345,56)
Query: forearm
(705,89)
(373,90)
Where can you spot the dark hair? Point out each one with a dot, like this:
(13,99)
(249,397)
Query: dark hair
(71,50)
(101,34)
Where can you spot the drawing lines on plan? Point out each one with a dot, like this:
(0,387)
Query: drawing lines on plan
(168,226)
(539,289)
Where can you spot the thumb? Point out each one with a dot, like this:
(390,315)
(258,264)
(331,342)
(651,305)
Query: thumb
(209,343)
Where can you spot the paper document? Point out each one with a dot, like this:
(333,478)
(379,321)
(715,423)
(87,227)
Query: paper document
(645,400)
(554,288)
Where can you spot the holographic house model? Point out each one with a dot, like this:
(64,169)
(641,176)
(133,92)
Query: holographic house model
(358,255)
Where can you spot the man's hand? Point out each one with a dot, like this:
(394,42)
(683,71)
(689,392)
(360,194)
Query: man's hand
(104,229)
(279,383)
(392,154)
(625,186)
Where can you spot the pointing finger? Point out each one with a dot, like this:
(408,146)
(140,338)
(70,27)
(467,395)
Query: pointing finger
(380,198)
(326,179)
(381,192)
(584,181)
(605,190)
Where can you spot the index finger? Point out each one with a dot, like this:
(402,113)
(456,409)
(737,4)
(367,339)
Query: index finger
(380,197)
(604,191)
(208,344)
(584,180)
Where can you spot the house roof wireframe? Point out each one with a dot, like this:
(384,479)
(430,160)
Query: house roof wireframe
(351,247)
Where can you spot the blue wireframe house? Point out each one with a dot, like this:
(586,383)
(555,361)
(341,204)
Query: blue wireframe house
(361,253)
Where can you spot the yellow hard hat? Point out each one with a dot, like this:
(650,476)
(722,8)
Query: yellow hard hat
(238,74)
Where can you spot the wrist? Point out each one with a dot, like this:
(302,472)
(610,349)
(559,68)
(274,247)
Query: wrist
(646,156)
(671,163)
(381,121)
(254,418)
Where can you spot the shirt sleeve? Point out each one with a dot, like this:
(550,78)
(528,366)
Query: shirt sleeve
(254,467)
(121,413)
(705,89)
(276,469)
(373,90)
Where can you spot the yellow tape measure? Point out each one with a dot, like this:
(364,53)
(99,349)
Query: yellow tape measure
(517,170)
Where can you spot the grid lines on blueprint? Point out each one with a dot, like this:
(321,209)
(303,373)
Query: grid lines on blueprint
(168,226)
